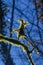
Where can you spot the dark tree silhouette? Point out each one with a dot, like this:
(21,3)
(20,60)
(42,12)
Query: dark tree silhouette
(4,48)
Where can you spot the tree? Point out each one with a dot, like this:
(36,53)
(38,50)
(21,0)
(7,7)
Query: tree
(33,31)
(6,55)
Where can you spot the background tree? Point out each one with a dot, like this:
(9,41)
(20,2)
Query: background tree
(27,10)
(5,52)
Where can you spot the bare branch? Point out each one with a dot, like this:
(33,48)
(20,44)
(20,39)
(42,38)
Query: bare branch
(17,43)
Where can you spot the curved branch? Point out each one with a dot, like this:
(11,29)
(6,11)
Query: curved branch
(17,43)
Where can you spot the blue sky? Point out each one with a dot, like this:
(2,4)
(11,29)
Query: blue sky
(27,7)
